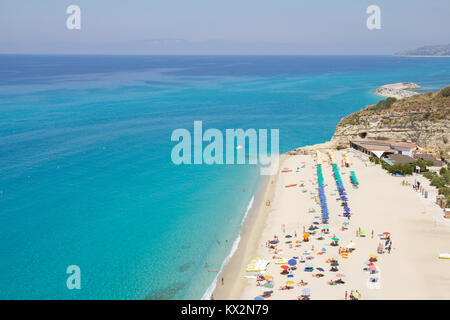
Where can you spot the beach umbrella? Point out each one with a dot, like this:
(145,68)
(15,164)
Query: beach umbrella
(284,267)
(268,285)
(292,262)
(258,298)
(288,236)
(326,227)
(320,269)
(386,233)
(274,241)
(334,264)
(373,256)
(362,231)
(267,277)
(335,239)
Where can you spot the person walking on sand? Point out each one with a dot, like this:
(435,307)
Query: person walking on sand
(372,233)
(222,282)
(345,294)
(212,297)
(389,248)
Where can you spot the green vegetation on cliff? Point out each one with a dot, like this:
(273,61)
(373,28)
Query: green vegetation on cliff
(422,107)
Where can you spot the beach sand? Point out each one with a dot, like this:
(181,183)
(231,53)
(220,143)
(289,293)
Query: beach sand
(419,233)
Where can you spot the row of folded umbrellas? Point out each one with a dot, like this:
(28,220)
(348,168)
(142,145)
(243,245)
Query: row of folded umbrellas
(353,177)
(341,189)
(321,189)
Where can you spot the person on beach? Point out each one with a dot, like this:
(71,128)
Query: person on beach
(222,282)
(389,248)
(380,248)
(345,294)
(212,297)
(372,233)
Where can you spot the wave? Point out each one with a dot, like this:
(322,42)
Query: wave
(210,290)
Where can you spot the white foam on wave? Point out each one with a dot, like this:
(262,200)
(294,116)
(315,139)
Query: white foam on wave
(210,290)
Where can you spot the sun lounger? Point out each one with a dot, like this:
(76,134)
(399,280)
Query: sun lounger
(281,260)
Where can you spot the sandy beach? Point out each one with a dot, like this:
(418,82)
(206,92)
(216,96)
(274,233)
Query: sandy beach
(380,203)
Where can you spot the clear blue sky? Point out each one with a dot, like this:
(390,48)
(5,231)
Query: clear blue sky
(222,26)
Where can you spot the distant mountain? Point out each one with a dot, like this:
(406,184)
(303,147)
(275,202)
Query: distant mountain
(428,51)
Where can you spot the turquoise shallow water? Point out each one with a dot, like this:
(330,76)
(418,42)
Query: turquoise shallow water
(85,171)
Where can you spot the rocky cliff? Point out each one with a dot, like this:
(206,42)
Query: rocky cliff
(423,119)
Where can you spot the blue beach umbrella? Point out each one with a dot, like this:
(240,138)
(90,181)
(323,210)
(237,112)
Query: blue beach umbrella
(292,262)
(258,298)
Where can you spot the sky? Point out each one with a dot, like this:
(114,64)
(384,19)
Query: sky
(221,26)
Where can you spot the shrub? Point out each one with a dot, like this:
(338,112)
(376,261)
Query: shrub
(384,104)
(445,92)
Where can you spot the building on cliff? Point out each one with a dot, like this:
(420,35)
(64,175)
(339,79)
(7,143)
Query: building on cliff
(383,148)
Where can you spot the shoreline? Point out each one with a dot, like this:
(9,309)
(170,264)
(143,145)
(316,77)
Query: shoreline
(249,235)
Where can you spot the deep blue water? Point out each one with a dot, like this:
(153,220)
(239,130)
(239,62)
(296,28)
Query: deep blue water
(85,171)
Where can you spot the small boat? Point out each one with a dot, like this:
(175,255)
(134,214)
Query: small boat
(290,185)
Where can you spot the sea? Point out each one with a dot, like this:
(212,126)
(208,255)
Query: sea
(87,178)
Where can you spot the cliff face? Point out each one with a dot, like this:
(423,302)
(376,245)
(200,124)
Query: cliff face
(423,119)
